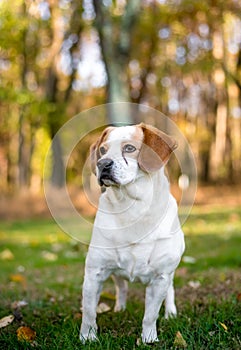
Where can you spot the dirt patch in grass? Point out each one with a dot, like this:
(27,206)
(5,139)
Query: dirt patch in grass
(215,286)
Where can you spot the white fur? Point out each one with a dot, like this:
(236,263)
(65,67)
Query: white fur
(124,133)
(136,237)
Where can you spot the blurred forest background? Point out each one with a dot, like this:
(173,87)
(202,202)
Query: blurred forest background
(60,57)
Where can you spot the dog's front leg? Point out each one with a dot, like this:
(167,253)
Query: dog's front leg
(91,292)
(155,294)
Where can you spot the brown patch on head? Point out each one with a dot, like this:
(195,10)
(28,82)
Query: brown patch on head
(94,148)
(156,149)
(136,141)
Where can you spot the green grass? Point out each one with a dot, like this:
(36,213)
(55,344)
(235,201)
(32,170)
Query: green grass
(46,270)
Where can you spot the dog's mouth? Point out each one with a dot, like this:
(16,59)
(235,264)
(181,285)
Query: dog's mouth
(106,179)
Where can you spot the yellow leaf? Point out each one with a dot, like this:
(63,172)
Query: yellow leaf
(6,254)
(224,326)
(179,341)
(5,321)
(102,307)
(26,334)
(49,256)
(18,278)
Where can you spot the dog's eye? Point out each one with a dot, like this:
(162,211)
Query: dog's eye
(102,150)
(129,148)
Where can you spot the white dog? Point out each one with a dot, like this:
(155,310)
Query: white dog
(137,234)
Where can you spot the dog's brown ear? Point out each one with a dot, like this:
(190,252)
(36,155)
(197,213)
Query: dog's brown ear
(94,149)
(93,156)
(156,148)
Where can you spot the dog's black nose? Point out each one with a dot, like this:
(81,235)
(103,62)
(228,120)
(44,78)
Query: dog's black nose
(105,165)
(105,171)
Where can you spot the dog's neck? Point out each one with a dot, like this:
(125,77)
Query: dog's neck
(146,185)
(141,207)
(148,196)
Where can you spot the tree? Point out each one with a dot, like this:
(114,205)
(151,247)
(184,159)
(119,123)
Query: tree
(40,42)
(183,59)
(69,37)
(115,25)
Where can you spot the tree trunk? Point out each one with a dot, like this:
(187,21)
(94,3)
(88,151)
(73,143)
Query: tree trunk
(23,154)
(53,96)
(58,171)
(116,53)
(235,128)
(23,148)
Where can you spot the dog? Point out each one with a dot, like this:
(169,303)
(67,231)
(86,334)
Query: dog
(136,234)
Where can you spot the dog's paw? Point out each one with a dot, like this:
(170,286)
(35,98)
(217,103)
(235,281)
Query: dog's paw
(89,335)
(170,311)
(149,340)
(119,307)
(149,336)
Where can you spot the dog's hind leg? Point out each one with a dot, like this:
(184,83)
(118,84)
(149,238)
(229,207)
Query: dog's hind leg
(121,286)
(170,307)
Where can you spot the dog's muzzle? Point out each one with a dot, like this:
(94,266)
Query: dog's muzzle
(105,167)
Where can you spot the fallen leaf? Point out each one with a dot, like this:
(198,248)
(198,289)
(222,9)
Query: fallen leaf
(5,321)
(102,307)
(224,326)
(18,278)
(26,334)
(18,304)
(107,295)
(189,259)
(49,256)
(179,341)
(239,297)
(21,268)
(77,316)
(211,333)
(6,254)
(194,284)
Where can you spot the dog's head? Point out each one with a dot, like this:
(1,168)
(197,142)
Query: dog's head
(120,152)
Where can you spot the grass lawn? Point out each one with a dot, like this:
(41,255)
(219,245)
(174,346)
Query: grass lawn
(44,267)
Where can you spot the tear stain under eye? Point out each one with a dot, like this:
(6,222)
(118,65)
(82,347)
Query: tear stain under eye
(122,153)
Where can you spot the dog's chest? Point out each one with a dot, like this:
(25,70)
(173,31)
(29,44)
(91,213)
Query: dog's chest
(135,263)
